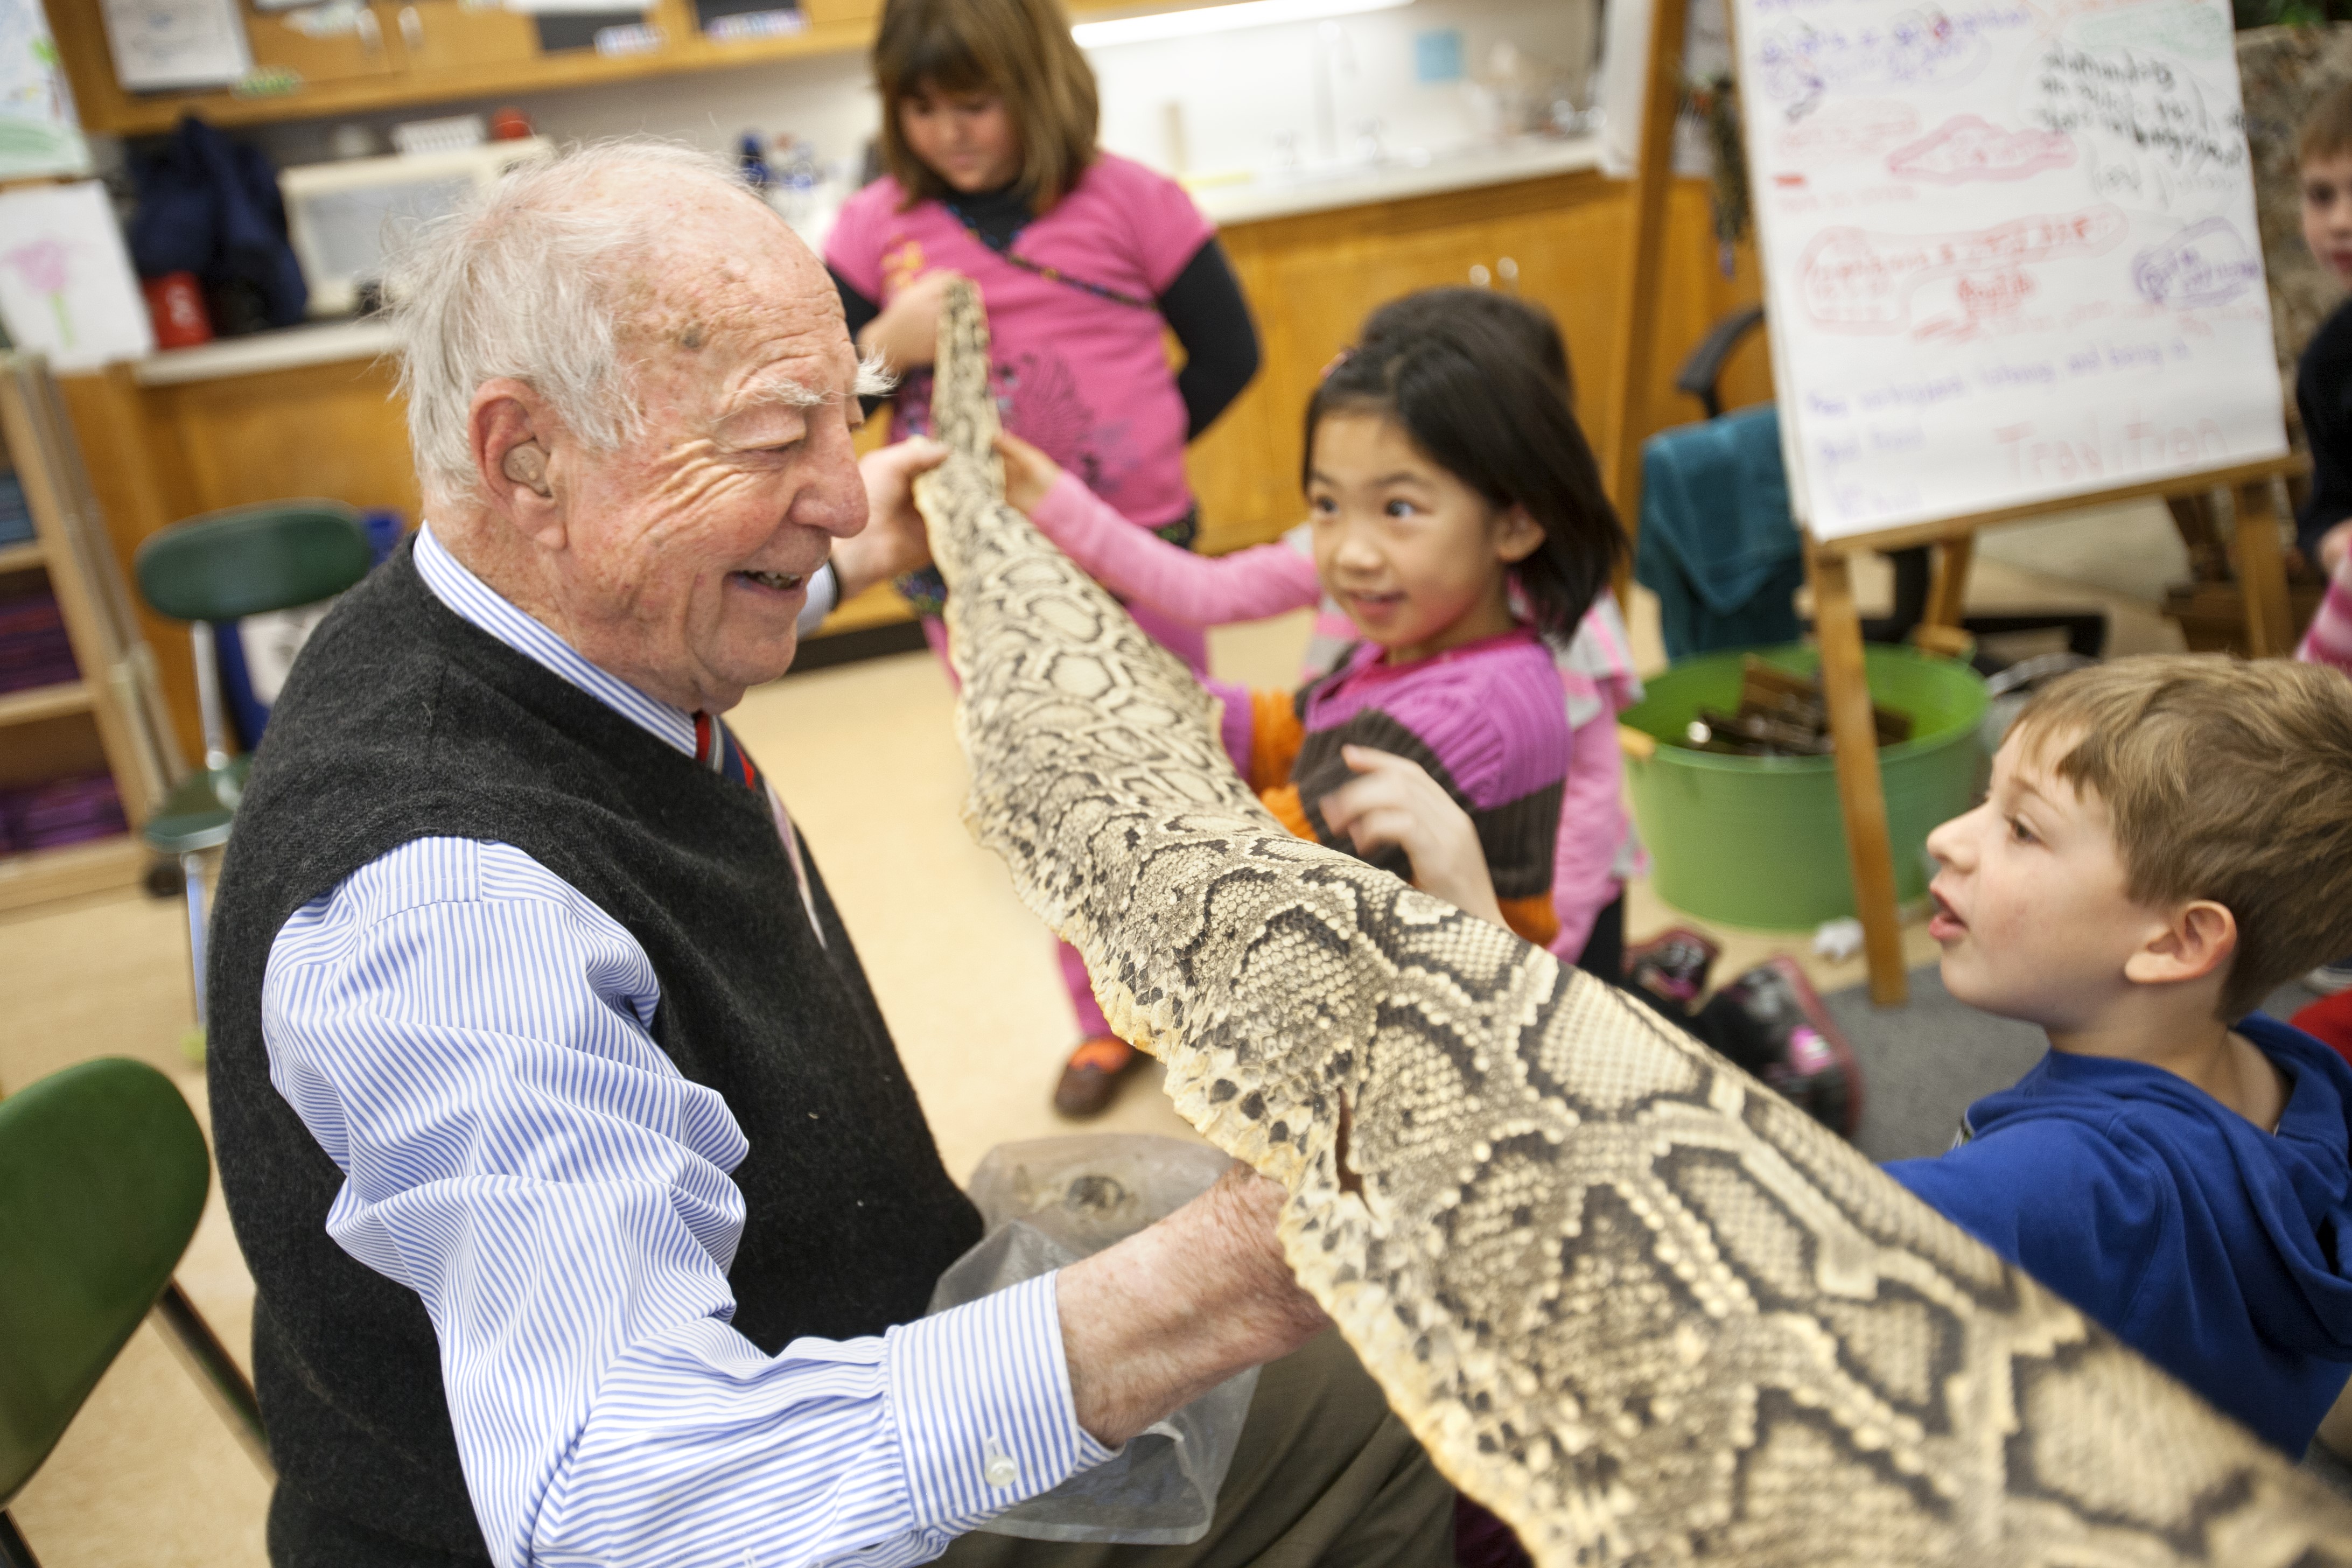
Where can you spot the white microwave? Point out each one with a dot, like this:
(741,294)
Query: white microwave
(342,217)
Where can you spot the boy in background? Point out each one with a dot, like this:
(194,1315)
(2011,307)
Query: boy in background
(2167,839)
(2323,378)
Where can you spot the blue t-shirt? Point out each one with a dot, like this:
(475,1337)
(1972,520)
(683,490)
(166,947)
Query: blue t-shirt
(2206,1244)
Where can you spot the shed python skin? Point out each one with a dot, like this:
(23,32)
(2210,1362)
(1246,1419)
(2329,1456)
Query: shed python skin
(1624,1294)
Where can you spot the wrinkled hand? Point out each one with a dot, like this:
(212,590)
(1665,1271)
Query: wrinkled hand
(1028,472)
(1392,801)
(908,330)
(893,540)
(1152,1324)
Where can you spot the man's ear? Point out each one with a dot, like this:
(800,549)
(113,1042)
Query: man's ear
(2199,939)
(510,430)
(1518,535)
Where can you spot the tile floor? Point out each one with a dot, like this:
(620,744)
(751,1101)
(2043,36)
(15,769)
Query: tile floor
(149,1477)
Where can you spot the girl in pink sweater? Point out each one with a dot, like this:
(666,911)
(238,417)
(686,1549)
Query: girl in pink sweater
(1597,851)
(1458,531)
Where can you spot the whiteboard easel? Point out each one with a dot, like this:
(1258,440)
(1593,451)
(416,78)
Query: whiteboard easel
(2008,260)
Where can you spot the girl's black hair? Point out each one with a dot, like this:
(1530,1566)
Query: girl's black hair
(1480,382)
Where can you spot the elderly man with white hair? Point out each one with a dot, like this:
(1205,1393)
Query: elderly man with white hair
(591,1215)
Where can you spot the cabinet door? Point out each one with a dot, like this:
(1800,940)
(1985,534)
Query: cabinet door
(292,40)
(444,35)
(827,13)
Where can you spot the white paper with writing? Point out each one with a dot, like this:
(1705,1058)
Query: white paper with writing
(2009,250)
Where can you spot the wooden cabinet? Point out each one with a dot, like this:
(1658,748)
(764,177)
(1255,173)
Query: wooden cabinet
(418,53)
(443,36)
(1311,280)
(289,41)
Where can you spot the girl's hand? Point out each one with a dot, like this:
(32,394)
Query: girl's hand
(1392,801)
(908,331)
(1028,472)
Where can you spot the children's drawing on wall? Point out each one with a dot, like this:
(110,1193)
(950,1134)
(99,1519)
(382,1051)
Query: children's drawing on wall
(38,132)
(2010,251)
(66,285)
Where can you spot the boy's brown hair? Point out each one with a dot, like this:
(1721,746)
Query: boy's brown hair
(1020,50)
(2328,130)
(2223,779)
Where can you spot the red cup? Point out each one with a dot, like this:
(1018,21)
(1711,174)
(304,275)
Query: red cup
(176,304)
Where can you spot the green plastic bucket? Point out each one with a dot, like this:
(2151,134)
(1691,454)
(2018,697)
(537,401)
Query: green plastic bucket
(1758,841)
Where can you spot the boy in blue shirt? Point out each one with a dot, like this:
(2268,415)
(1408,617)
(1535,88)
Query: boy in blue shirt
(2166,840)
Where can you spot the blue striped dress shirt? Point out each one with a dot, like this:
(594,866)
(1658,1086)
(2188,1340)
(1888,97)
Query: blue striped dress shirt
(467,1035)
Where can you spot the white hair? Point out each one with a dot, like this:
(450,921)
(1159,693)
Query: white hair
(525,282)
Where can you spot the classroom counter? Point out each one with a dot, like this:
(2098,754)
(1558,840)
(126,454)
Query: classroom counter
(1227,203)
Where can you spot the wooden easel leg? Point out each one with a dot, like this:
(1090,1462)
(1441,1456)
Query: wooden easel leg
(1947,591)
(1845,685)
(2262,573)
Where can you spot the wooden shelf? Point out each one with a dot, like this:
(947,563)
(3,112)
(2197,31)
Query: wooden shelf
(101,864)
(46,702)
(150,115)
(18,557)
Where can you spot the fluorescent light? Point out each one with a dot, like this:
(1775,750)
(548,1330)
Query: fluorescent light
(1219,19)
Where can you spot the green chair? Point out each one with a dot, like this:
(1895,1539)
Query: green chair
(246,560)
(102,1178)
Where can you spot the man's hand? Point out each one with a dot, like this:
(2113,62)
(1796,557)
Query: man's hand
(1392,801)
(1028,472)
(908,330)
(1152,1324)
(893,541)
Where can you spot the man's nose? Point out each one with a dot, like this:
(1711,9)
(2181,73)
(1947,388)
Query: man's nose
(833,495)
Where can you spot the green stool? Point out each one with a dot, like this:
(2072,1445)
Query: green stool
(247,561)
(103,1177)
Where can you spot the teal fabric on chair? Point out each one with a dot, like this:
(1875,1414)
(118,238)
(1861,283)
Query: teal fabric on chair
(221,566)
(103,1173)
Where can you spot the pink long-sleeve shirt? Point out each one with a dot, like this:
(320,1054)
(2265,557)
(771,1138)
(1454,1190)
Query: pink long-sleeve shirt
(2329,641)
(1595,849)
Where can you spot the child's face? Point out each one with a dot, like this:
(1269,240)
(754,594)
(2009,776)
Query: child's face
(1415,556)
(965,138)
(2328,212)
(2031,906)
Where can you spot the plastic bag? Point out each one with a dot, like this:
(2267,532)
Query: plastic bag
(1047,1204)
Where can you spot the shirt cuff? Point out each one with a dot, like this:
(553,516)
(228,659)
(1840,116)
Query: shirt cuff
(1065,508)
(824,594)
(982,1398)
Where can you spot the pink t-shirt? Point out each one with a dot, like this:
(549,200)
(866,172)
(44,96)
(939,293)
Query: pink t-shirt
(1082,377)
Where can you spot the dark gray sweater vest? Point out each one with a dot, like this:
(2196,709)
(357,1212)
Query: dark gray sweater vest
(403,721)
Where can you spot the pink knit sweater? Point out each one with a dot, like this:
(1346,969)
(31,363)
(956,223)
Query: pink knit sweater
(1595,850)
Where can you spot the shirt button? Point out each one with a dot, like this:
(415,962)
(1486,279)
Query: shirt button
(997,1469)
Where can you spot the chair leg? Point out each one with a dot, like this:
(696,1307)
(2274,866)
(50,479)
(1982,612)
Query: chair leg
(192,868)
(194,1338)
(14,1552)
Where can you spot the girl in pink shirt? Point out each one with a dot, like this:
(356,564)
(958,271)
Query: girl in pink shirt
(1085,261)
(1597,851)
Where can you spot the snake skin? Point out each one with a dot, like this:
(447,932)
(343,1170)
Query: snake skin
(1625,1296)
